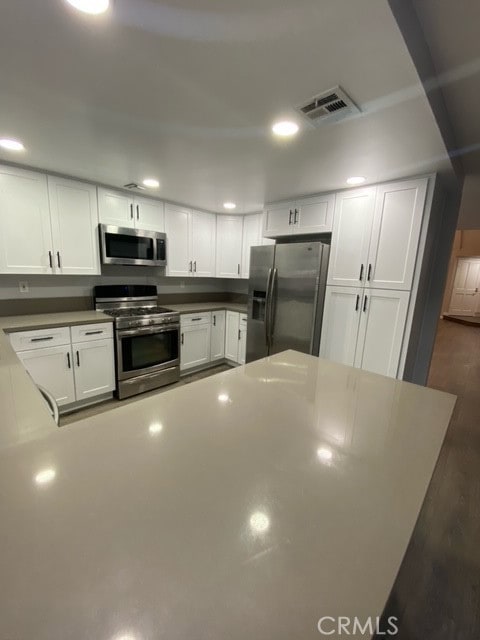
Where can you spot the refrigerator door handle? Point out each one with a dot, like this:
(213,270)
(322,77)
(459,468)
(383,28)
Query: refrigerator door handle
(267,308)
(271,319)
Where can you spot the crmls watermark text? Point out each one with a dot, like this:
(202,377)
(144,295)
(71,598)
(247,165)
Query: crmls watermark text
(344,625)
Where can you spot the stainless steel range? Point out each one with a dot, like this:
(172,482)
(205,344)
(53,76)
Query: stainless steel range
(147,337)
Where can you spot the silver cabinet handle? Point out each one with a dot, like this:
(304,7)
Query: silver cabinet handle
(78,359)
(138,212)
(195,266)
(365,304)
(183,338)
(362,268)
(295,219)
(69,363)
(58,260)
(93,333)
(358,303)
(238,270)
(196,319)
(190,266)
(131,212)
(369,273)
(41,339)
(290,217)
(50,259)
(214,321)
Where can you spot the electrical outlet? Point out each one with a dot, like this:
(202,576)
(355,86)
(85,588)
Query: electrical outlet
(23,287)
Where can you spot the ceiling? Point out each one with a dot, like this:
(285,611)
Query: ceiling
(186,91)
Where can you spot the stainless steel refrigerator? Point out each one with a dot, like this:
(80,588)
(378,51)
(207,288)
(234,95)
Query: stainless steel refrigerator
(286,294)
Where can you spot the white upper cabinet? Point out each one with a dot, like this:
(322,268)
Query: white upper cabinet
(380,335)
(25,231)
(149,214)
(305,216)
(314,215)
(278,219)
(177,225)
(229,246)
(341,318)
(115,208)
(252,237)
(190,242)
(203,231)
(352,229)
(396,230)
(73,207)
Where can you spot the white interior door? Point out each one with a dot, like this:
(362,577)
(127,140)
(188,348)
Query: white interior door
(177,228)
(52,368)
(397,223)
(382,326)
(217,344)
(203,230)
(94,368)
(115,208)
(229,246)
(25,232)
(352,228)
(466,286)
(149,214)
(341,319)
(74,212)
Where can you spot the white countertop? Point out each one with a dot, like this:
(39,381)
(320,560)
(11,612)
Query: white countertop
(150,527)
(198,307)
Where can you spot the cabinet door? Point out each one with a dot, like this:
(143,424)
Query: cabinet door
(382,326)
(177,228)
(195,346)
(341,318)
(116,208)
(94,368)
(232,337)
(229,246)
(278,219)
(398,218)
(149,214)
(25,233)
(52,368)
(242,343)
(314,215)
(352,228)
(252,237)
(74,211)
(217,346)
(203,229)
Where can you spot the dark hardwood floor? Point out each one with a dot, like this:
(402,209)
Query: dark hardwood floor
(437,592)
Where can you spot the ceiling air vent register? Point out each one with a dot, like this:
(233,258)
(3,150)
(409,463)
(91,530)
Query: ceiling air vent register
(330,106)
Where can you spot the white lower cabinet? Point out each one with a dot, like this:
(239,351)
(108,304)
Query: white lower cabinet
(70,372)
(217,344)
(94,368)
(51,367)
(236,337)
(195,340)
(364,328)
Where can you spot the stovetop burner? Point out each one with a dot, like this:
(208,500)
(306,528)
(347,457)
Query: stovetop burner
(136,311)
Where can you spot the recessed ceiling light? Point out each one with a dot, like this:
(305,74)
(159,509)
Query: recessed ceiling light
(259,522)
(45,476)
(285,128)
(356,180)
(325,454)
(155,427)
(93,7)
(11,145)
(151,183)
(229,205)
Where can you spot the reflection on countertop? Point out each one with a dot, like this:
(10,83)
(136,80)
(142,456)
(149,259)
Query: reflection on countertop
(248,504)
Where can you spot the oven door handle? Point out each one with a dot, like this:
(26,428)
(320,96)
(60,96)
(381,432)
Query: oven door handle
(142,331)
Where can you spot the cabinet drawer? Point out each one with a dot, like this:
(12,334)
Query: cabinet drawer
(40,338)
(89,332)
(192,319)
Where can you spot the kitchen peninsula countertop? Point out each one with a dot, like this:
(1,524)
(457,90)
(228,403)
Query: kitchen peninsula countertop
(199,307)
(245,505)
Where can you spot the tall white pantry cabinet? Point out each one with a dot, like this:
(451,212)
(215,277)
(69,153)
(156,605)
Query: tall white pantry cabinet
(375,243)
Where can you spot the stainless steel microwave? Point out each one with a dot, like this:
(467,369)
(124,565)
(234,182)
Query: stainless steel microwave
(121,245)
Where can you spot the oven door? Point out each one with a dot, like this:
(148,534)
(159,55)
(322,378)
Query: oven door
(121,245)
(147,349)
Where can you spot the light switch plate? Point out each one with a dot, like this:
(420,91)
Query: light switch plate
(23,287)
